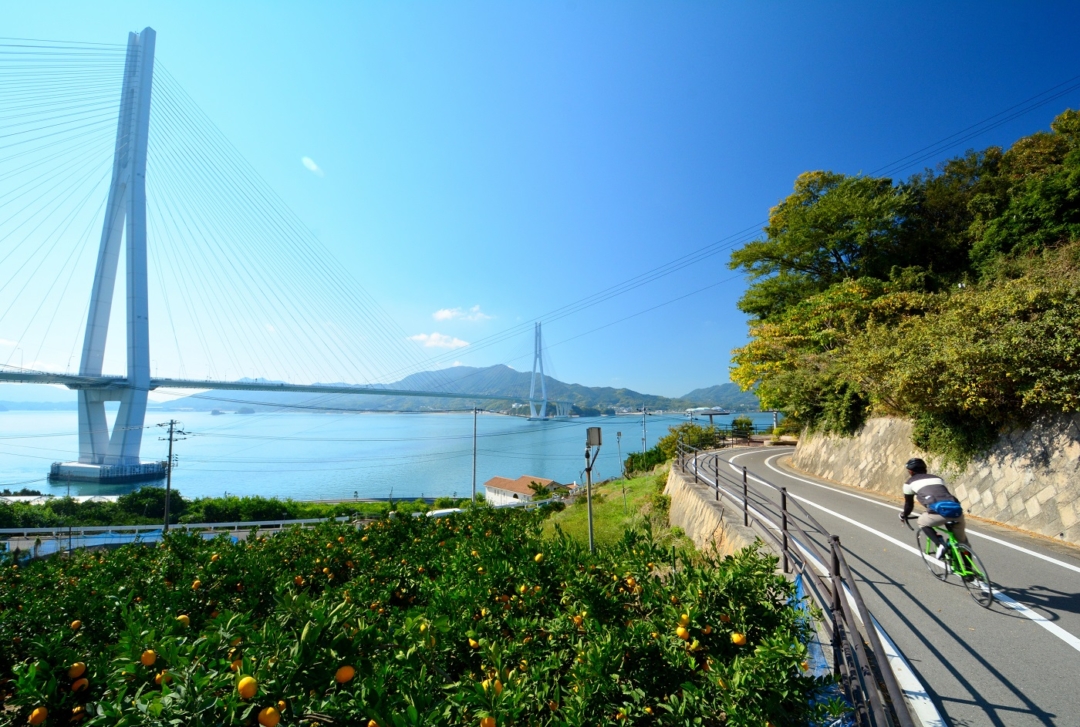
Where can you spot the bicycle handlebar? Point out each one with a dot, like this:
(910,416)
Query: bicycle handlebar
(908,519)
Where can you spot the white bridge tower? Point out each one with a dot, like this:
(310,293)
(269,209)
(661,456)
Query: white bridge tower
(538,368)
(105,457)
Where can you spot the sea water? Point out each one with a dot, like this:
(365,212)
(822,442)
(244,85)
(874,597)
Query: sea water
(318,456)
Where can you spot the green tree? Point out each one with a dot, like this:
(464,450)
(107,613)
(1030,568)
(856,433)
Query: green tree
(149,502)
(831,228)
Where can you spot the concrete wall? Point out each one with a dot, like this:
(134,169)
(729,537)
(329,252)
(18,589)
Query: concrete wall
(710,524)
(495,496)
(1030,479)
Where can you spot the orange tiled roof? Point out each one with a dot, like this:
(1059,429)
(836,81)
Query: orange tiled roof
(520,485)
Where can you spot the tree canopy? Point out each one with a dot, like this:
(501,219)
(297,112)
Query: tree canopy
(952,297)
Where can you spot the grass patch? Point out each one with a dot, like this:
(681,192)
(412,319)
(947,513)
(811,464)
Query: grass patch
(645,506)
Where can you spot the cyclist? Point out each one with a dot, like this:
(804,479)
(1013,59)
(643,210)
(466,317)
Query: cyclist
(941,506)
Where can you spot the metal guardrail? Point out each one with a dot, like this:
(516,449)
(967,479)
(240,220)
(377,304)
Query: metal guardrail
(856,651)
(8,533)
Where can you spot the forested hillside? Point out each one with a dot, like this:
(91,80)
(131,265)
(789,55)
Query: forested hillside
(498,380)
(951,298)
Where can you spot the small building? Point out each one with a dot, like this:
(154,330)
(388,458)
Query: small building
(504,491)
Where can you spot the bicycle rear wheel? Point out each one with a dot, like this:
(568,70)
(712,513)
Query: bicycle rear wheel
(937,568)
(975,577)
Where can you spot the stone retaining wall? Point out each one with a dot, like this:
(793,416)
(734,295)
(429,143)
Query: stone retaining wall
(710,524)
(1030,479)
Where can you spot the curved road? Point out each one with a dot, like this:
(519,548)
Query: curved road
(1015,664)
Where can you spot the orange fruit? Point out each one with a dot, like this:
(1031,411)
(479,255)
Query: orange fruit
(371,722)
(79,684)
(77,670)
(487,722)
(341,539)
(738,639)
(148,658)
(76,625)
(39,715)
(682,633)
(214,558)
(247,686)
(78,713)
(235,666)
(473,643)
(196,585)
(163,677)
(344,674)
(281,705)
(269,717)
(184,619)
(298,580)
(707,630)
(539,558)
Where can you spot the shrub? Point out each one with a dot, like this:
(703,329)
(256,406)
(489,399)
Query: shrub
(444,621)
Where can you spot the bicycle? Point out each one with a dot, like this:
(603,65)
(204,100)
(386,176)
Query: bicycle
(958,558)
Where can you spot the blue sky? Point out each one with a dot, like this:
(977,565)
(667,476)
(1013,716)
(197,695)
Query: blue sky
(503,159)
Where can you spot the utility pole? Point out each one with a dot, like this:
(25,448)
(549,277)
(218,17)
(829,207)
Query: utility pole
(474,411)
(618,443)
(644,410)
(592,439)
(175,435)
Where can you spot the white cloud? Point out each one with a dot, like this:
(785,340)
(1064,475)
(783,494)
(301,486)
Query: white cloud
(456,364)
(472,314)
(438,340)
(311,165)
(5,342)
(270,328)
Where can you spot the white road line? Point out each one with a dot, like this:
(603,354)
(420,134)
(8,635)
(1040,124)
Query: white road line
(914,692)
(913,689)
(991,538)
(1023,610)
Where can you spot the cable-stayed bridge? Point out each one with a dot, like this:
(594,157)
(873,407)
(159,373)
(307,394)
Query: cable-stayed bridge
(222,241)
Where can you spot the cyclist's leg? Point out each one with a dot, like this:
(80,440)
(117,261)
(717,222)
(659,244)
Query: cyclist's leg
(959,529)
(928,521)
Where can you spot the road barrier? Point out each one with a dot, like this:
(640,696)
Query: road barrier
(859,656)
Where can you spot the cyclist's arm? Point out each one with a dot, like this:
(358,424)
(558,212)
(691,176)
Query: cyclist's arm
(909,505)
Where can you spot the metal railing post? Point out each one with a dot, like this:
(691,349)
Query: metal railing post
(716,475)
(834,575)
(695,467)
(783,525)
(745,501)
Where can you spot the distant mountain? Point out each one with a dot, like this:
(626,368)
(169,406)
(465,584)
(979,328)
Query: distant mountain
(496,380)
(729,396)
(36,397)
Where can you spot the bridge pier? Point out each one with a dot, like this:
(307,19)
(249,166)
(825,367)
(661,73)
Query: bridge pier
(105,456)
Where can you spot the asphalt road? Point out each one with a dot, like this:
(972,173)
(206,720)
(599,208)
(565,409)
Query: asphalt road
(1010,666)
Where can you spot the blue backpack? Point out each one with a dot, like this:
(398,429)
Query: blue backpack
(946,508)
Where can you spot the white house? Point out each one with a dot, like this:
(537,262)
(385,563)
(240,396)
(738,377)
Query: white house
(504,491)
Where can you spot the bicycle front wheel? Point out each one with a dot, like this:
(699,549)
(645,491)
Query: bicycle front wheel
(937,568)
(975,577)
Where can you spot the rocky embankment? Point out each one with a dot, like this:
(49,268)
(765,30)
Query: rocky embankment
(1030,479)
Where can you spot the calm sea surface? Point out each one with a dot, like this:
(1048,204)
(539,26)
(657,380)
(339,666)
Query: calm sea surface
(325,456)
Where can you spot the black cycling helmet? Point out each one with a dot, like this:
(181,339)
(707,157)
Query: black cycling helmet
(916,465)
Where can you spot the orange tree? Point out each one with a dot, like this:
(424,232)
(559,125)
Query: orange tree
(472,619)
